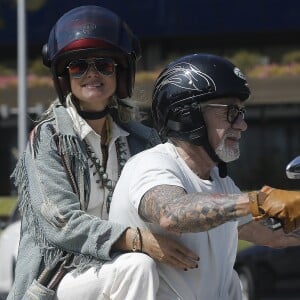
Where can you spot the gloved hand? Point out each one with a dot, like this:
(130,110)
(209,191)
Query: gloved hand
(276,203)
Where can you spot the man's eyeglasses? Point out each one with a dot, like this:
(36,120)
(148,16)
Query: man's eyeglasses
(233,111)
(105,66)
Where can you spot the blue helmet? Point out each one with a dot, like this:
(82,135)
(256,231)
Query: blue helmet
(92,30)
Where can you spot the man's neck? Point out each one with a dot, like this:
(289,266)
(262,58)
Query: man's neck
(196,158)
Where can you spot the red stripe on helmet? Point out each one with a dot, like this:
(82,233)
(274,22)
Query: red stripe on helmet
(87,43)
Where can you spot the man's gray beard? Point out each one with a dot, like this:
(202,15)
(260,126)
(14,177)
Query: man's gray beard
(228,154)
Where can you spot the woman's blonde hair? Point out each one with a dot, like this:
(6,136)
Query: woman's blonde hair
(127,109)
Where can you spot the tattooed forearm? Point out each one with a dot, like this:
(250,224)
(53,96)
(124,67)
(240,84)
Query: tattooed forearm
(175,210)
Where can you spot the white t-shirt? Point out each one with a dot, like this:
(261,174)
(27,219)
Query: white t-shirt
(215,277)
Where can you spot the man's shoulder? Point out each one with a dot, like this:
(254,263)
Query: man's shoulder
(158,155)
(55,115)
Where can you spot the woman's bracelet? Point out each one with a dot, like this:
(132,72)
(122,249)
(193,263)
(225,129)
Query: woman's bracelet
(137,239)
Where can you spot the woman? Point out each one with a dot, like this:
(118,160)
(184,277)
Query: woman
(74,156)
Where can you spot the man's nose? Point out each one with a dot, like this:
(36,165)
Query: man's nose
(240,123)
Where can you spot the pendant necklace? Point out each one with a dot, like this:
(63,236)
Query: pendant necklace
(100,170)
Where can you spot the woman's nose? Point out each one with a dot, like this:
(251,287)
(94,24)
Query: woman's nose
(92,70)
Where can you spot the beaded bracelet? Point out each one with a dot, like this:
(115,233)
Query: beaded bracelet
(137,237)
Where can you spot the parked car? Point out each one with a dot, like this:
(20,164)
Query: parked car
(9,242)
(267,272)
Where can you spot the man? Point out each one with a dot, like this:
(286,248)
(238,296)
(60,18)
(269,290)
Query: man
(181,189)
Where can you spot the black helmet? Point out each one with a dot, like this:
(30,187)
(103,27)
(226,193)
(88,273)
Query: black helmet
(92,30)
(185,83)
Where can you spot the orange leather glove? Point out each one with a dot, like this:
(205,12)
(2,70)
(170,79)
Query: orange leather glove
(276,203)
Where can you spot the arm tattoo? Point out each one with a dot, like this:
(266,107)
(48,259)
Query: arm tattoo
(175,210)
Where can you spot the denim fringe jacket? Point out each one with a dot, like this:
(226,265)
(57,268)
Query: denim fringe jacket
(54,221)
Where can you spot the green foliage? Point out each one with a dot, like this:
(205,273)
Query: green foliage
(5,71)
(246,60)
(253,64)
(146,76)
(34,5)
(8,67)
(31,5)
(291,57)
(36,67)
(6,205)
(275,70)
(243,245)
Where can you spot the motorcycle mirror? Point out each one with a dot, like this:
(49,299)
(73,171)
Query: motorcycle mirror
(293,169)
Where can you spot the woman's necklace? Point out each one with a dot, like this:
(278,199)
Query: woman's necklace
(104,181)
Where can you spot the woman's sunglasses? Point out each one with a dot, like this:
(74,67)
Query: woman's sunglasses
(105,66)
(233,111)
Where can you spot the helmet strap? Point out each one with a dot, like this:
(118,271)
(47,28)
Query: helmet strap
(57,85)
(198,136)
(222,166)
(196,112)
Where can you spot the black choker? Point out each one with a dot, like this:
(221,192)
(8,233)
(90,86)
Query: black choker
(93,115)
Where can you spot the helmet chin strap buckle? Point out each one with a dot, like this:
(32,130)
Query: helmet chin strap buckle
(199,137)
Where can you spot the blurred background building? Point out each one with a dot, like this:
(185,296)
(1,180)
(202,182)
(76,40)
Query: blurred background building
(171,26)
